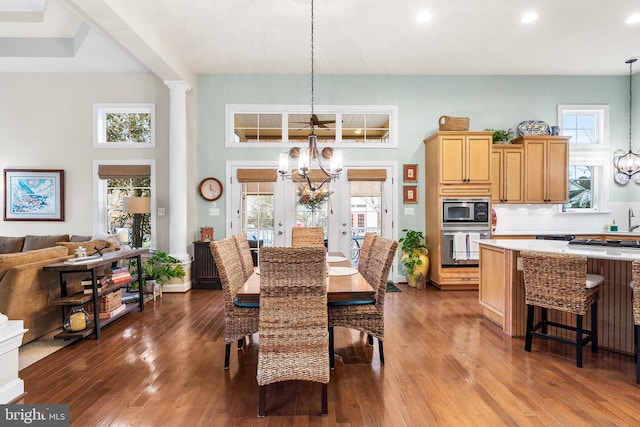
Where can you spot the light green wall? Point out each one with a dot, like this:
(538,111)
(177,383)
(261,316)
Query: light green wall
(499,102)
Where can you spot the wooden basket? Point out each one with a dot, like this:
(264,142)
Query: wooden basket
(453,123)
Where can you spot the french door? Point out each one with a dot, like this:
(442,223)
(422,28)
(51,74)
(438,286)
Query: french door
(358,202)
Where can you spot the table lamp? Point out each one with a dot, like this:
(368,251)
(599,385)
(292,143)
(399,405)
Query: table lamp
(139,207)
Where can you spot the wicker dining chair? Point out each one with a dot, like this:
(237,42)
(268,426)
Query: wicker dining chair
(307,236)
(635,275)
(293,319)
(365,252)
(238,321)
(367,317)
(560,282)
(244,250)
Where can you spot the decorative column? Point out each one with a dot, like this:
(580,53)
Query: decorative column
(178,241)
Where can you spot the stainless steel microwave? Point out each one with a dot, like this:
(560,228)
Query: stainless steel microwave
(465,211)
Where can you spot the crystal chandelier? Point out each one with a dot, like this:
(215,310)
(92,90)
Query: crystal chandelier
(306,156)
(627,163)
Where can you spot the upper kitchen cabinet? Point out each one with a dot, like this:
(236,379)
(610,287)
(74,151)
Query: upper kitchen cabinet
(546,178)
(461,158)
(507,172)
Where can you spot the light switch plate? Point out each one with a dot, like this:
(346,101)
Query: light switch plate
(214,211)
(408,211)
(161,212)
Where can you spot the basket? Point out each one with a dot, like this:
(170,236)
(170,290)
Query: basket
(106,303)
(453,123)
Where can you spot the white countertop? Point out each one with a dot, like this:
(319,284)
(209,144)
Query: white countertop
(563,247)
(609,234)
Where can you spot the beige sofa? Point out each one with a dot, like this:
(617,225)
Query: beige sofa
(26,291)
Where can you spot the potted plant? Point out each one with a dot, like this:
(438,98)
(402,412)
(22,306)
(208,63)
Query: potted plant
(415,258)
(159,269)
(502,136)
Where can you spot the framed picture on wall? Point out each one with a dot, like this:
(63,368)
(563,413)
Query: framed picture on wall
(410,193)
(33,195)
(410,173)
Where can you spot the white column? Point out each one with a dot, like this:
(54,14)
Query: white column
(178,241)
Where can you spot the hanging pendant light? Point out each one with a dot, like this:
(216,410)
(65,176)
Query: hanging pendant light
(307,156)
(627,163)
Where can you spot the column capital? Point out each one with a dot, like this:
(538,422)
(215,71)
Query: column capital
(177,85)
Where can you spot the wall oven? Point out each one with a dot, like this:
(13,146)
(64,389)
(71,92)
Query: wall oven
(464,222)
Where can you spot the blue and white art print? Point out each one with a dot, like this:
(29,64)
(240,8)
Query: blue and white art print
(34,195)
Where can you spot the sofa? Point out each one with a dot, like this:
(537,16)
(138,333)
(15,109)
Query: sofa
(26,291)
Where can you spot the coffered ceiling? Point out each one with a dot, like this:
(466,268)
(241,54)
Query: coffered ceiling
(178,39)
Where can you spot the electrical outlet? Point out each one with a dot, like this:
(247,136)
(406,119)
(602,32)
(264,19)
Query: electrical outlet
(161,212)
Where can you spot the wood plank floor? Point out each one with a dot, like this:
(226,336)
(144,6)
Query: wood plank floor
(445,365)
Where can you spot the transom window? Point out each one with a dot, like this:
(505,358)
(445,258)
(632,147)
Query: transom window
(124,125)
(258,125)
(588,127)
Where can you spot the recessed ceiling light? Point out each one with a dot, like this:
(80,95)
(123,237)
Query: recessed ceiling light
(529,17)
(423,16)
(633,19)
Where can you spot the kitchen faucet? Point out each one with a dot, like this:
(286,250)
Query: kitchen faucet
(631,215)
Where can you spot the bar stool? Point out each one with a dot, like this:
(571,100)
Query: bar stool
(560,282)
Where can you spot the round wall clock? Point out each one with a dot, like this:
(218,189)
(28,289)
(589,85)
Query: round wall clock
(210,189)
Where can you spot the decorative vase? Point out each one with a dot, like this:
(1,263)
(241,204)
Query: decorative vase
(419,277)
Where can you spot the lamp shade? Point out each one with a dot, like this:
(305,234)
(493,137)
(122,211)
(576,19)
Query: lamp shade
(134,205)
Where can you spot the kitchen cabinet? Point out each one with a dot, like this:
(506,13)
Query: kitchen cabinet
(457,164)
(507,172)
(463,157)
(546,178)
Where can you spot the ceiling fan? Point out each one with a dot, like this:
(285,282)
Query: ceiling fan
(315,123)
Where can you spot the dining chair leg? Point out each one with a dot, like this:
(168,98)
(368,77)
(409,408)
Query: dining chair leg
(262,400)
(579,334)
(381,350)
(325,406)
(528,336)
(370,339)
(240,343)
(331,356)
(227,351)
(544,320)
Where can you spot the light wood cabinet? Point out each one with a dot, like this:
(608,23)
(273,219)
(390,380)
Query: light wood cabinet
(546,178)
(507,172)
(457,164)
(464,157)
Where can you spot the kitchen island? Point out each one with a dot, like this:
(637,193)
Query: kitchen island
(501,288)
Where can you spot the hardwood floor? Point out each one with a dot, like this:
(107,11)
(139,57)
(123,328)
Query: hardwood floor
(445,365)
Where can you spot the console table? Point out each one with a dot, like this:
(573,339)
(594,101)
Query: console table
(92,267)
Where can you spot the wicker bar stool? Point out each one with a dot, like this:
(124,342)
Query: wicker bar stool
(307,236)
(635,275)
(293,319)
(560,282)
(238,321)
(368,317)
(245,254)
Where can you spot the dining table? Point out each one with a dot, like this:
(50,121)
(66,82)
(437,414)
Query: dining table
(344,283)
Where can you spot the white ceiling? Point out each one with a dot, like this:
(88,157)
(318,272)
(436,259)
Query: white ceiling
(178,39)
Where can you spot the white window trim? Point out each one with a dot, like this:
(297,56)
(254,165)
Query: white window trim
(231,109)
(100,195)
(100,112)
(603,123)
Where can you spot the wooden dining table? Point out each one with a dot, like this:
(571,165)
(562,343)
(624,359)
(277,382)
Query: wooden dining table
(340,288)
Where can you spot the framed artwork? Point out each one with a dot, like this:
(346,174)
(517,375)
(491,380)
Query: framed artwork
(33,195)
(410,173)
(410,193)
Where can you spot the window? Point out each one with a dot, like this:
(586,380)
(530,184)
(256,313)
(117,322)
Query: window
(257,211)
(348,126)
(124,125)
(588,127)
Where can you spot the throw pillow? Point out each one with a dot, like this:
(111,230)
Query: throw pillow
(10,245)
(40,242)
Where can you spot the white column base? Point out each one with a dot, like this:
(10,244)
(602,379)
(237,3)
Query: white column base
(11,387)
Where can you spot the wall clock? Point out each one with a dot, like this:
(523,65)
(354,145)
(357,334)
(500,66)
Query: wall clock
(210,189)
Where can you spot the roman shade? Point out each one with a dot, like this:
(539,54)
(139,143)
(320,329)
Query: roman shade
(257,175)
(367,175)
(123,171)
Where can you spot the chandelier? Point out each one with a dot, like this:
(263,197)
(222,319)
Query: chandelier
(627,163)
(305,156)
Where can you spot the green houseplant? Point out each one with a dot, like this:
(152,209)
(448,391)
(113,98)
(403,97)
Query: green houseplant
(160,268)
(502,136)
(415,258)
